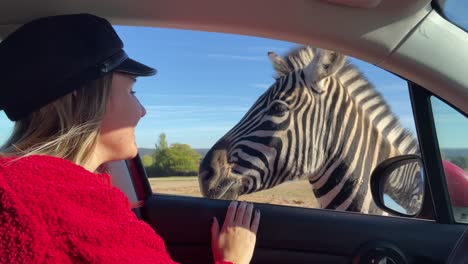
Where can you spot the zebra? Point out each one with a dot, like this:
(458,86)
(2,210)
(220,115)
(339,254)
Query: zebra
(406,192)
(321,120)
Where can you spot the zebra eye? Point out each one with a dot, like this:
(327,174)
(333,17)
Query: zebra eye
(278,109)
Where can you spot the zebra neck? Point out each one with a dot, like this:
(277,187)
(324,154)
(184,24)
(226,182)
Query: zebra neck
(369,101)
(344,177)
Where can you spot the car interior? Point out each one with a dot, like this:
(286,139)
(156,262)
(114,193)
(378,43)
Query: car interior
(411,39)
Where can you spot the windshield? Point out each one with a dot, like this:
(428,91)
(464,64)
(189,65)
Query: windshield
(456,11)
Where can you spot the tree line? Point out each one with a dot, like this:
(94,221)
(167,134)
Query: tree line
(460,161)
(181,160)
(171,160)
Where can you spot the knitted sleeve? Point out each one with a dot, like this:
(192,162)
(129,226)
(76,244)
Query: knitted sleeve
(22,238)
(53,211)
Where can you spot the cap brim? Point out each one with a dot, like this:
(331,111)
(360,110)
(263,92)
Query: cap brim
(135,68)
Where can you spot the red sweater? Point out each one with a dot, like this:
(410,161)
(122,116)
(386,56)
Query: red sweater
(54,211)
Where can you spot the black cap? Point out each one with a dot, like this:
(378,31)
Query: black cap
(50,57)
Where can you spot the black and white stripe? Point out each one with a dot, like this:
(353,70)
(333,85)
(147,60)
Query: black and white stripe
(321,120)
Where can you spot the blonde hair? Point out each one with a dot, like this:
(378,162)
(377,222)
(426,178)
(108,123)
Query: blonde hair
(66,128)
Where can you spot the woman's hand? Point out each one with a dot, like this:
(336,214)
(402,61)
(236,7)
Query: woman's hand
(236,241)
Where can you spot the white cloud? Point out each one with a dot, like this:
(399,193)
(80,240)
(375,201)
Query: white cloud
(194,109)
(266,49)
(260,85)
(194,96)
(233,57)
(185,130)
(396,87)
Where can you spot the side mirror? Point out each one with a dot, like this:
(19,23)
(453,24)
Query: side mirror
(397,185)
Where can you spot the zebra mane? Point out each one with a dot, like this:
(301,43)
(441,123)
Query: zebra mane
(360,90)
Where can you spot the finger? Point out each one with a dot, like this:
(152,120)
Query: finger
(240,213)
(230,214)
(214,238)
(247,215)
(214,229)
(255,222)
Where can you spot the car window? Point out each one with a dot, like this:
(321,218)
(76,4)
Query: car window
(452,130)
(206,83)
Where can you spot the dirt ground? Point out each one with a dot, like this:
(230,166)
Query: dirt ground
(297,193)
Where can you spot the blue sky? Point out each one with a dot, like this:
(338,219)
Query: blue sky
(456,11)
(207,81)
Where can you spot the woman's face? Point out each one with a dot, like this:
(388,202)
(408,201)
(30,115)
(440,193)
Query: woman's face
(116,140)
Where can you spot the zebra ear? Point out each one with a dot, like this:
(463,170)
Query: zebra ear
(279,64)
(325,64)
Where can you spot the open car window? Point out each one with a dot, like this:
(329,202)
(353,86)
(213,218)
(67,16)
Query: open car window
(206,83)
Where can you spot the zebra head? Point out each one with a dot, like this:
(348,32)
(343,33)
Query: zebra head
(272,143)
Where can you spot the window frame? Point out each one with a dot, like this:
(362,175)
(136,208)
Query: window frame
(430,153)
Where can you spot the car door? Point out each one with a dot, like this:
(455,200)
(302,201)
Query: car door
(304,235)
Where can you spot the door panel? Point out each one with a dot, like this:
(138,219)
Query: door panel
(297,235)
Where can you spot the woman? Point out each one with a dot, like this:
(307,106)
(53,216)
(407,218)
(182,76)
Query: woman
(67,84)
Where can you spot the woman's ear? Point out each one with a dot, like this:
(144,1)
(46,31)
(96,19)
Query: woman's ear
(325,64)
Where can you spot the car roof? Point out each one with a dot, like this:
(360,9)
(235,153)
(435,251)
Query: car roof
(408,38)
